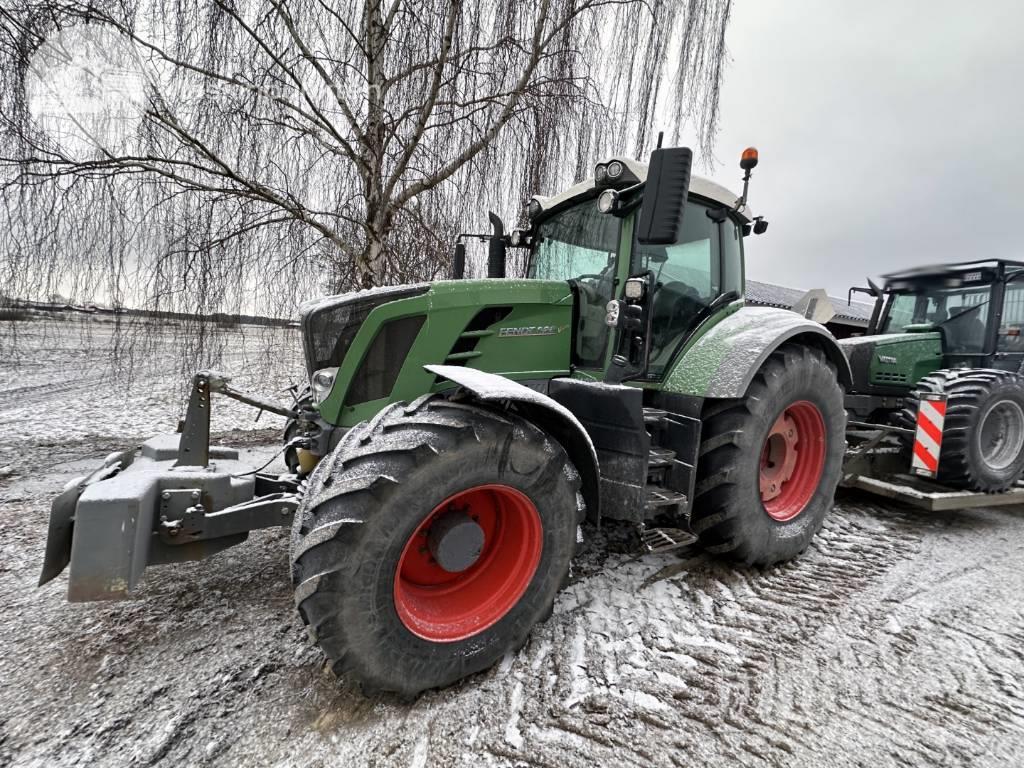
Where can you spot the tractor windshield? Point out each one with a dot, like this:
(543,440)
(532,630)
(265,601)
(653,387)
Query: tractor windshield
(581,244)
(961,312)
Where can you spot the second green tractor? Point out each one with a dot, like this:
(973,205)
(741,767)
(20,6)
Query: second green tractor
(939,375)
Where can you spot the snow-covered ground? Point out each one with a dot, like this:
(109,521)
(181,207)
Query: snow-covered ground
(897,639)
(83,379)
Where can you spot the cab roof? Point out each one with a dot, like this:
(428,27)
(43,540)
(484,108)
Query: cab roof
(987,269)
(699,187)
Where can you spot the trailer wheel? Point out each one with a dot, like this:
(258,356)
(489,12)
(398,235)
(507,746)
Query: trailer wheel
(431,541)
(983,433)
(769,463)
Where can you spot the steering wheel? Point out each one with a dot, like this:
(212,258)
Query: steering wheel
(593,296)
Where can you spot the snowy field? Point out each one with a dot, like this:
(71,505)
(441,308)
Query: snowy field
(898,639)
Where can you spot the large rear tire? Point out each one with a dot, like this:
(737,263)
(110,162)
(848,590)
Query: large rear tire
(769,463)
(983,433)
(431,541)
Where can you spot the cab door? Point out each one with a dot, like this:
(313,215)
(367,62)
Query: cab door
(690,276)
(1009,354)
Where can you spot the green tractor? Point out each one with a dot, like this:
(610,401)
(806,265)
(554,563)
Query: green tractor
(938,375)
(457,434)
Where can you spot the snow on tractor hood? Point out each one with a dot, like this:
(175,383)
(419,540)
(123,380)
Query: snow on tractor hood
(699,186)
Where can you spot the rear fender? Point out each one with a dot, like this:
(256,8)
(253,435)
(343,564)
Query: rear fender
(724,360)
(549,415)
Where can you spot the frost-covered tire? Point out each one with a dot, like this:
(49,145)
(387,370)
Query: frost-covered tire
(371,521)
(792,419)
(983,432)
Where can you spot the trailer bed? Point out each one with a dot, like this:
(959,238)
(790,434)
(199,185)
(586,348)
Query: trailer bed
(926,494)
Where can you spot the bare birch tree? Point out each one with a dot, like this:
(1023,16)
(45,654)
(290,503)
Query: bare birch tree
(267,149)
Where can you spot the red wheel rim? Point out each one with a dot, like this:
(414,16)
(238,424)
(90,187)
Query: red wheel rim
(792,460)
(441,606)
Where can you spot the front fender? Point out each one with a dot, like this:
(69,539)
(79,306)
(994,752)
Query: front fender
(723,361)
(551,416)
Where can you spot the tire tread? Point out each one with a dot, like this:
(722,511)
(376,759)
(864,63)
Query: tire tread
(372,459)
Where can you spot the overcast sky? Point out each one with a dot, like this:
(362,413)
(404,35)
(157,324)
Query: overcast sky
(890,134)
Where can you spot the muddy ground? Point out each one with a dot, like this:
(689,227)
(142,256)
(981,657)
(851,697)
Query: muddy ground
(898,639)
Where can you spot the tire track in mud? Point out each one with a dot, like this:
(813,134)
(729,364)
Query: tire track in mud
(697,662)
(661,661)
(694,662)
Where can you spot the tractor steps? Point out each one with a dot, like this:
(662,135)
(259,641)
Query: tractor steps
(653,416)
(666,539)
(663,497)
(660,457)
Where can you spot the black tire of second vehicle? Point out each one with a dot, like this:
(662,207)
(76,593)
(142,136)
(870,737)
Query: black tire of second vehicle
(971,394)
(728,514)
(386,477)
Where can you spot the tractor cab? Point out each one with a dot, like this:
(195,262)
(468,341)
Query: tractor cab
(975,310)
(590,236)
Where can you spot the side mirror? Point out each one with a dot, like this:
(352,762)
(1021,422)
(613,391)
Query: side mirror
(459,262)
(496,247)
(668,183)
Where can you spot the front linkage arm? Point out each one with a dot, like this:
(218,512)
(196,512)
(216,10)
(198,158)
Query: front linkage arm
(194,447)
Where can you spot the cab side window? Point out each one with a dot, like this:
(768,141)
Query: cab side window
(1011,327)
(688,275)
(732,257)
(689,265)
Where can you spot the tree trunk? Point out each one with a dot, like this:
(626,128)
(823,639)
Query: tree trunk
(371,271)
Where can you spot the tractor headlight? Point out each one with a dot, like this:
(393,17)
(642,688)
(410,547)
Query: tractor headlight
(600,173)
(322,382)
(518,238)
(534,208)
(635,288)
(611,317)
(608,201)
(614,170)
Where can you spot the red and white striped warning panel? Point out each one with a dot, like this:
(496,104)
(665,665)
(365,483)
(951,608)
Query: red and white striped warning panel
(931,414)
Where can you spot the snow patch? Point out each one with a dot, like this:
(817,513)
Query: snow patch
(512,733)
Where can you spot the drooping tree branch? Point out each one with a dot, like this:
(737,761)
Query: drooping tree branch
(330,144)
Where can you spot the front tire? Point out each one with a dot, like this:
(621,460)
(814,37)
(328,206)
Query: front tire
(769,463)
(431,541)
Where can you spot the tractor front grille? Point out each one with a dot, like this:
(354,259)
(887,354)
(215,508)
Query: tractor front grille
(330,325)
(890,378)
(383,361)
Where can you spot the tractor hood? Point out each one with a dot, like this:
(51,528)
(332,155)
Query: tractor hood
(366,349)
(892,363)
